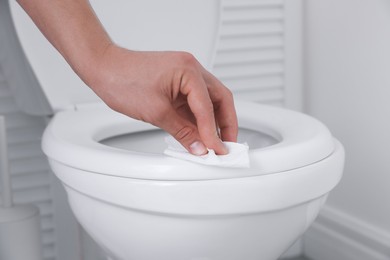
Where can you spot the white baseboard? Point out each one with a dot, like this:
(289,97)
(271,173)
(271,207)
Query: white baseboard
(339,236)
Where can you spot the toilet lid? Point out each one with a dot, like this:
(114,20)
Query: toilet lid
(74,138)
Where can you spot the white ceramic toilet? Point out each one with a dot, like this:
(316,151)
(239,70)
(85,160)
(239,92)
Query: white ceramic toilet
(139,204)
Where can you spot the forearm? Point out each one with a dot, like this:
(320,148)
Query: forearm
(73,29)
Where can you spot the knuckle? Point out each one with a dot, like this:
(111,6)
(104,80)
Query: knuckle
(226,93)
(184,134)
(188,59)
(229,94)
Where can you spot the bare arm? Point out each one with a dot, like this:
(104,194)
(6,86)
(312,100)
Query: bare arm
(168,89)
(73,29)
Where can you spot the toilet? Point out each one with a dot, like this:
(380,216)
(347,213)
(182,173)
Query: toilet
(139,204)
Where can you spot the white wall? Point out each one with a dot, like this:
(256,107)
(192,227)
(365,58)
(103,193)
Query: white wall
(348,88)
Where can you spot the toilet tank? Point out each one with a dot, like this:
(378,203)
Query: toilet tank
(137,25)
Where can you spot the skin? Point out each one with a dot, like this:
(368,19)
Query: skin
(170,90)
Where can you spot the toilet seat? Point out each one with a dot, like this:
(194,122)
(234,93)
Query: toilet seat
(73,139)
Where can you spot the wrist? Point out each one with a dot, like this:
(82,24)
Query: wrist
(89,65)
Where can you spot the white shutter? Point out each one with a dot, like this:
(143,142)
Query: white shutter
(29,169)
(251,51)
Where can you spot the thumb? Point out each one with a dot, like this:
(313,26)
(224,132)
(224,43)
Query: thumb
(185,132)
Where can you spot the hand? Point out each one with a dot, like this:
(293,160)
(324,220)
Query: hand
(170,90)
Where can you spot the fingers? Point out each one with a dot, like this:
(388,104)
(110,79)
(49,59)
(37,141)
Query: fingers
(225,113)
(184,131)
(201,106)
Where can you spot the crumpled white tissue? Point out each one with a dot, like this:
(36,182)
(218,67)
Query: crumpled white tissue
(238,156)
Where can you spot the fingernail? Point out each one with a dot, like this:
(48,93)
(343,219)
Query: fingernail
(198,148)
(225,150)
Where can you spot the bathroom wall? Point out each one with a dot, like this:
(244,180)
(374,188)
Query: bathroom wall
(347,86)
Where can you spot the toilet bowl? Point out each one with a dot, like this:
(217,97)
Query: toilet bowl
(139,204)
